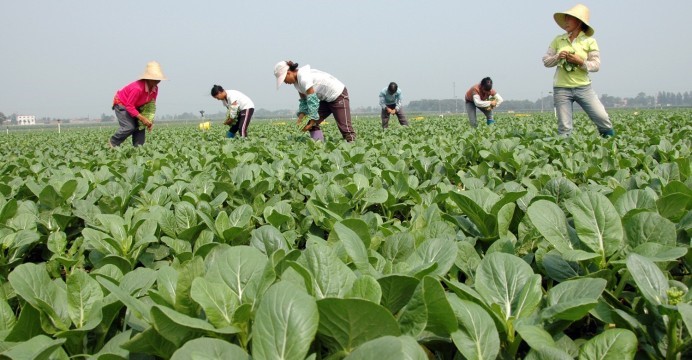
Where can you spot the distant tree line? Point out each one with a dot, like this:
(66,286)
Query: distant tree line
(660,100)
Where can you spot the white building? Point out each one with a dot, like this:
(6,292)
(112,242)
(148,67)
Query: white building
(26,120)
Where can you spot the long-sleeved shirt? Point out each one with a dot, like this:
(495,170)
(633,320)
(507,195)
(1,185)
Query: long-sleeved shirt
(480,97)
(135,95)
(390,99)
(583,46)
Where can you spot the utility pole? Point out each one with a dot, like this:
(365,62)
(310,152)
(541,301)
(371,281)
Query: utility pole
(454,93)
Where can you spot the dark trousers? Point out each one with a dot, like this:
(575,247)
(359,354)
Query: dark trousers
(242,122)
(399,115)
(128,126)
(341,109)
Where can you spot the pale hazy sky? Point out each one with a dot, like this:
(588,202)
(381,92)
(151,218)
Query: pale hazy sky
(67,58)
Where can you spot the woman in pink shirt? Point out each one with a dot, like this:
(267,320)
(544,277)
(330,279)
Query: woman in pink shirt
(130,99)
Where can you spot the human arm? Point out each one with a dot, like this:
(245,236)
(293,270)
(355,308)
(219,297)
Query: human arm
(397,103)
(308,105)
(551,58)
(480,103)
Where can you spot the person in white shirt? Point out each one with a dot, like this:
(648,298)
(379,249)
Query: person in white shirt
(321,95)
(483,97)
(239,110)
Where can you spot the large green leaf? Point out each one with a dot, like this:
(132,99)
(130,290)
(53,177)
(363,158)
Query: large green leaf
(649,226)
(347,323)
(476,337)
(551,222)
(83,294)
(216,300)
(39,347)
(397,291)
(355,246)
(331,276)
(477,214)
(440,251)
(285,323)
(650,280)
(179,328)
(7,319)
(366,287)
(268,239)
(573,299)
(634,200)
(31,282)
(150,342)
(509,282)
(597,223)
(535,336)
(209,349)
(620,344)
(241,268)
(428,309)
(389,347)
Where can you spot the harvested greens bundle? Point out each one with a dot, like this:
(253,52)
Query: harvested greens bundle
(147,110)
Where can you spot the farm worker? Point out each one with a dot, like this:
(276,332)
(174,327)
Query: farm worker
(390,102)
(483,97)
(128,101)
(239,110)
(321,95)
(575,54)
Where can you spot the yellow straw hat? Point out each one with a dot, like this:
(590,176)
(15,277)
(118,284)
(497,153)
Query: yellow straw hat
(153,72)
(580,12)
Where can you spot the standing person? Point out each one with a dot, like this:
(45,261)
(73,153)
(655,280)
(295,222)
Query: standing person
(575,54)
(390,102)
(239,109)
(128,103)
(483,97)
(321,95)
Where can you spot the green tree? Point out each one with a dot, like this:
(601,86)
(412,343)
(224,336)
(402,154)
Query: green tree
(2,118)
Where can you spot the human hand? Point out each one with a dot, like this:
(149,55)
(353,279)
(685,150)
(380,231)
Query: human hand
(575,59)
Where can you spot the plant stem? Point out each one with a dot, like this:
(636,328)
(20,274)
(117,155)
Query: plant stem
(672,351)
(621,285)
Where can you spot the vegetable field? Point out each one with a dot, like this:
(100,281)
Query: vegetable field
(435,241)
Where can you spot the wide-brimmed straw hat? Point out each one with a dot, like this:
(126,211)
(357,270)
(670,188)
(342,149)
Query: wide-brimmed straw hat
(280,71)
(153,72)
(580,12)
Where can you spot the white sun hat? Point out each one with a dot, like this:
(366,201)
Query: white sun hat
(280,71)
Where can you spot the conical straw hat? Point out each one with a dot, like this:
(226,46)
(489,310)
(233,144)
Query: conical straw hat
(580,12)
(153,72)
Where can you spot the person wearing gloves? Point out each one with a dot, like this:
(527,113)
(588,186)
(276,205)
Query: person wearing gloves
(390,102)
(321,95)
(575,54)
(483,97)
(239,109)
(128,105)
